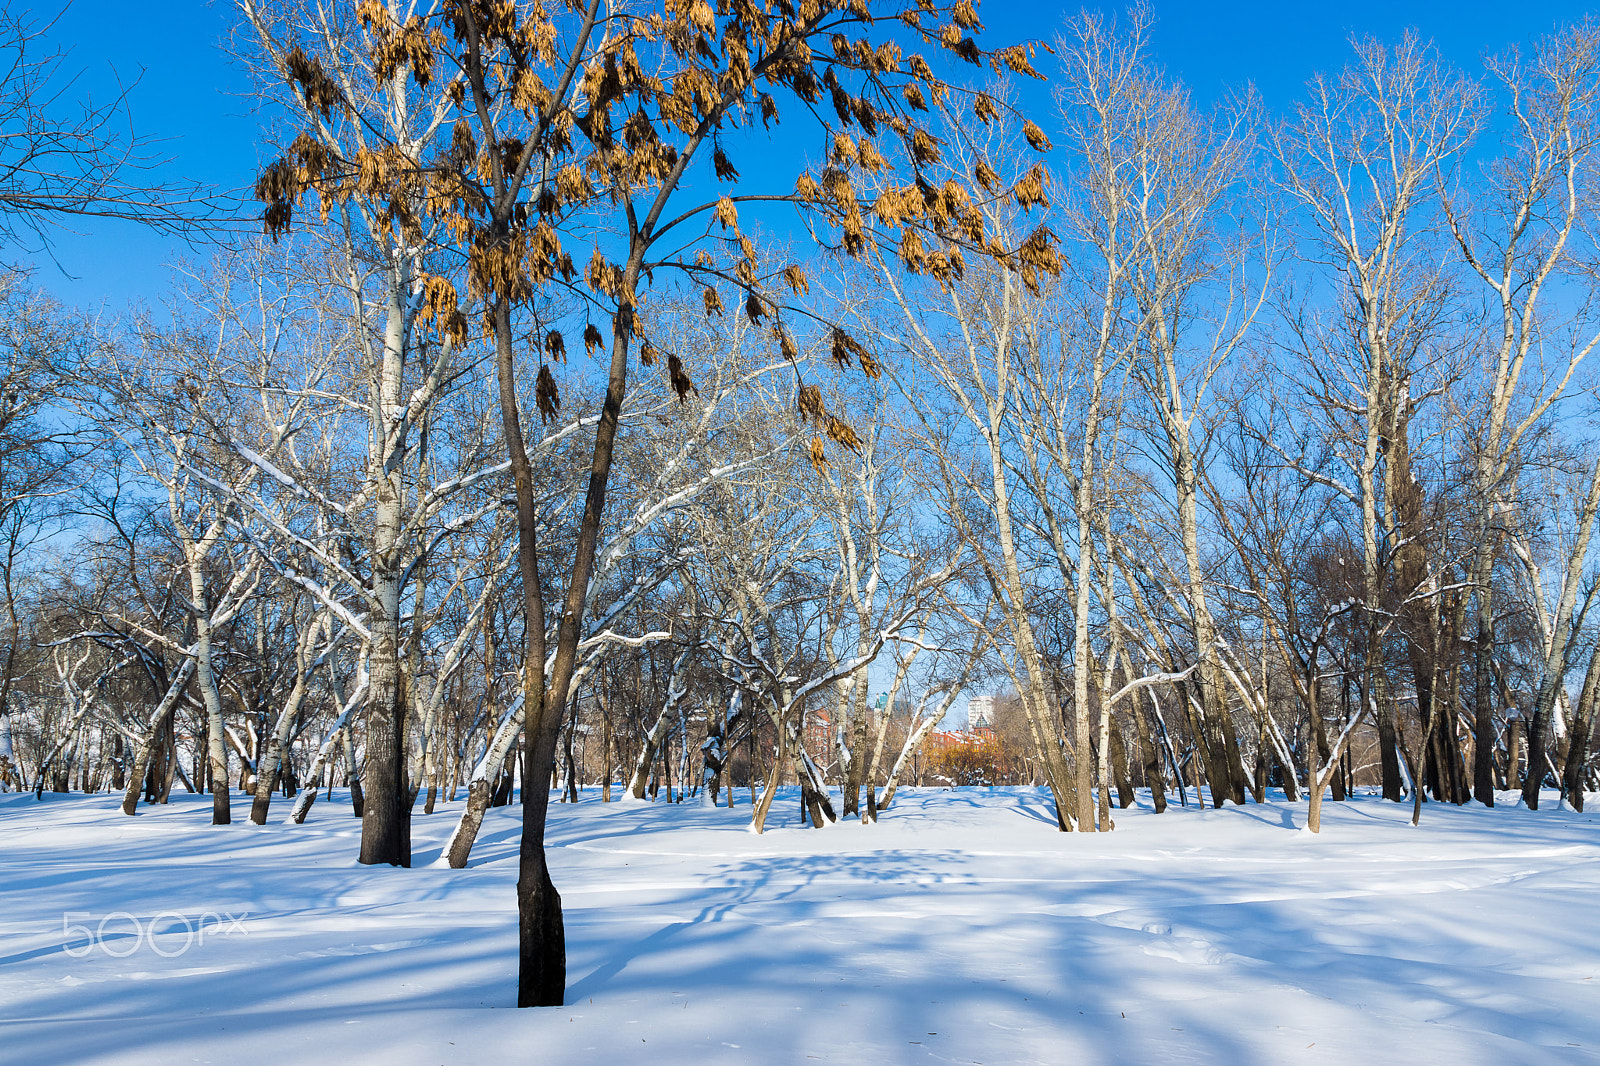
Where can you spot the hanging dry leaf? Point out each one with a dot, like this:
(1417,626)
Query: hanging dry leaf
(546,395)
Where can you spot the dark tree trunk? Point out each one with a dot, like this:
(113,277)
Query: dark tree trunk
(1150,752)
(1119,768)
(1572,769)
(1483,713)
(357,797)
(1513,754)
(541,930)
(572,766)
(1533,780)
(1388,758)
(156,769)
(1577,758)
(1433,769)
(386,816)
(817,804)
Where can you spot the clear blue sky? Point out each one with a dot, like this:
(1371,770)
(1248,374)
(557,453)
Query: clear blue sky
(193,98)
(188,96)
(197,103)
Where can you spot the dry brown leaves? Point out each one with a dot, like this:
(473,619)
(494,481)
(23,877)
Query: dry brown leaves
(546,395)
(679,378)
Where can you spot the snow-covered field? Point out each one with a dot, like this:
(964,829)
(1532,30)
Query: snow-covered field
(962,928)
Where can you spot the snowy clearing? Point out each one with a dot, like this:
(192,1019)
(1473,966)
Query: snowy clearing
(962,928)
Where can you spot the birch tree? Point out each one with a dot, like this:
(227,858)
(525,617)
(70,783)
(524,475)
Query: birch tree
(1361,160)
(370,117)
(1521,239)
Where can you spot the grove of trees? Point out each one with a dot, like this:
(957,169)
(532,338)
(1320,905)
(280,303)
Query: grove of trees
(626,397)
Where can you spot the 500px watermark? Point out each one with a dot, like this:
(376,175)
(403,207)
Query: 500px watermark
(168,934)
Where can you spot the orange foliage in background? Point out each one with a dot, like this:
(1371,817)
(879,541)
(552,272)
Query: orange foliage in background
(975,759)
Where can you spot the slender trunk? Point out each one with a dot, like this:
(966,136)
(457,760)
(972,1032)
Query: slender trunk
(1151,759)
(760,807)
(1558,652)
(205,677)
(542,946)
(480,786)
(1083,761)
(605,721)
(156,734)
(435,769)
(337,740)
(1513,754)
(269,764)
(652,740)
(355,773)
(1320,776)
(1207,741)
(1483,704)
(572,768)
(1238,780)
(666,762)
(1582,729)
(908,750)
(873,806)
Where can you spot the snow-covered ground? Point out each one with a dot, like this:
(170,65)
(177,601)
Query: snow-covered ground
(961,928)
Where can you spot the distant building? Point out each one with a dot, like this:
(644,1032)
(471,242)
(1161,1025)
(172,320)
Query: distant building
(942,739)
(980,713)
(819,738)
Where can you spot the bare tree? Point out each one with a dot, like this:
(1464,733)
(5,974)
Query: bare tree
(1361,160)
(1521,239)
(63,159)
(38,344)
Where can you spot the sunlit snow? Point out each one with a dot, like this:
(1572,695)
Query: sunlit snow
(961,928)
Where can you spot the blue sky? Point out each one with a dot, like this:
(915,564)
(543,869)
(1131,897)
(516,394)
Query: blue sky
(193,99)
(188,97)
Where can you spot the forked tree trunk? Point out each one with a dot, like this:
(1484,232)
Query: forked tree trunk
(714,752)
(154,734)
(337,740)
(914,738)
(676,690)
(1582,729)
(813,790)
(1319,776)
(458,848)
(1150,756)
(271,761)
